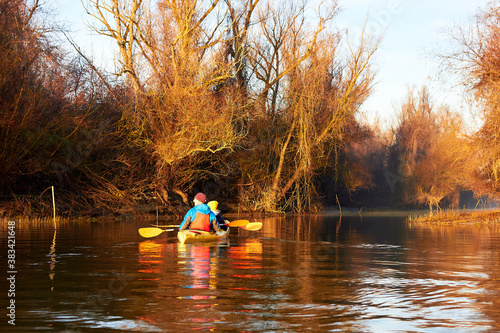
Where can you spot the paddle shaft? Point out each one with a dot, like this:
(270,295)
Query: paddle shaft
(156,230)
(237,223)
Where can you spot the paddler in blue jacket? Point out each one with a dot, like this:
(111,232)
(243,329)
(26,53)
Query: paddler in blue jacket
(200,217)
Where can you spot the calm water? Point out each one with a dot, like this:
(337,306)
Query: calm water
(370,274)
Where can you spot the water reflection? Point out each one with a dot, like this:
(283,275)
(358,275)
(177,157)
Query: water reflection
(200,267)
(462,262)
(319,273)
(151,255)
(53,257)
(246,260)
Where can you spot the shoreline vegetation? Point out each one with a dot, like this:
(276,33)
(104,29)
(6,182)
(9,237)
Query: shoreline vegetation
(458,217)
(193,104)
(420,217)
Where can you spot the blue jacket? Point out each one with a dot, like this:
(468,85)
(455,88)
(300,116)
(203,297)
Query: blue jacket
(201,209)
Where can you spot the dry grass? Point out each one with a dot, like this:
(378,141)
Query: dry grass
(459,217)
(29,221)
(48,222)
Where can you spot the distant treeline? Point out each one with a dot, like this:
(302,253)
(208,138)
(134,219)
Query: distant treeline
(254,102)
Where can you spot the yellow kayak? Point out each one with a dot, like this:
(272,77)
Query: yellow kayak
(194,236)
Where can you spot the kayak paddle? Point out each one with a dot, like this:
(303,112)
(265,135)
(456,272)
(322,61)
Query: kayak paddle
(155,231)
(165,226)
(152,232)
(253,226)
(238,223)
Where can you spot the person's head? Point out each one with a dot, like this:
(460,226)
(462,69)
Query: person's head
(213,206)
(199,198)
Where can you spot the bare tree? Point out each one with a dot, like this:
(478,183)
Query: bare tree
(476,60)
(119,20)
(306,97)
(178,116)
(26,103)
(240,14)
(434,156)
(296,92)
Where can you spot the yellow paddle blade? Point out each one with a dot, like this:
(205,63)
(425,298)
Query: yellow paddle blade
(238,223)
(253,226)
(151,232)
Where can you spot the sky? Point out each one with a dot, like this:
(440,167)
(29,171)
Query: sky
(413,31)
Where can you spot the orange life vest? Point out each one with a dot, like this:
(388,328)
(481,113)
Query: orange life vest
(201,222)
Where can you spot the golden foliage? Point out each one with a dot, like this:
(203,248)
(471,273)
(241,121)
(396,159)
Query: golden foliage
(477,61)
(307,98)
(261,94)
(435,158)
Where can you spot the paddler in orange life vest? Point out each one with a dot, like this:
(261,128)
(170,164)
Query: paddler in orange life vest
(200,217)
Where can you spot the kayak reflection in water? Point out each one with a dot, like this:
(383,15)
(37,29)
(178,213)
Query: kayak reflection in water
(200,217)
(200,266)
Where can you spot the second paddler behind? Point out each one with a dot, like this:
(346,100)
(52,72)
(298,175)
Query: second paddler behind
(200,217)
(218,216)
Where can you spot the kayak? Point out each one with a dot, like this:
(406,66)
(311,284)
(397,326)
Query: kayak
(194,236)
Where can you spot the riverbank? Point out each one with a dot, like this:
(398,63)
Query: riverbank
(459,217)
(233,211)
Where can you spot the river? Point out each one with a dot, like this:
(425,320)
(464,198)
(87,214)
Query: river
(370,273)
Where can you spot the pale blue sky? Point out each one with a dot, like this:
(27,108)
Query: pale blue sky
(413,31)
